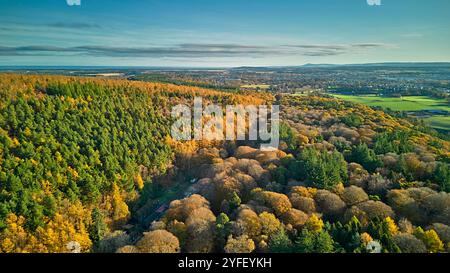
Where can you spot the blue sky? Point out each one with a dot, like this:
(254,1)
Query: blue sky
(222,32)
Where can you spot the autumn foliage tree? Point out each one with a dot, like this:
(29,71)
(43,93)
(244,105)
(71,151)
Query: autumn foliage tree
(158,241)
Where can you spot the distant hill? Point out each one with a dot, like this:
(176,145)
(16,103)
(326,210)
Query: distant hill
(389,64)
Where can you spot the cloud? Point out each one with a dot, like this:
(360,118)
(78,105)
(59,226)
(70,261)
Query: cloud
(74,25)
(31,50)
(182,50)
(333,50)
(192,50)
(369,45)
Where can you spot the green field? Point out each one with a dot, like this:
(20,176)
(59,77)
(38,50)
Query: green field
(409,103)
(439,122)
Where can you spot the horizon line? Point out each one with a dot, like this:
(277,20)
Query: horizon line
(42,67)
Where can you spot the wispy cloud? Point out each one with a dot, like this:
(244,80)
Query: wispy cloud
(193,50)
(337,49)
(74,25)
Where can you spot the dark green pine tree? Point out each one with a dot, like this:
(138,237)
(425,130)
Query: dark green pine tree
(98,229)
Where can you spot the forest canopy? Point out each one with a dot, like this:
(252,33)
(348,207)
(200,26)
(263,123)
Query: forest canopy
(90,162)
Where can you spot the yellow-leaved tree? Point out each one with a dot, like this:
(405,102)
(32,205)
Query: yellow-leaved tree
(68,226)
(430,238)
(120,208)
